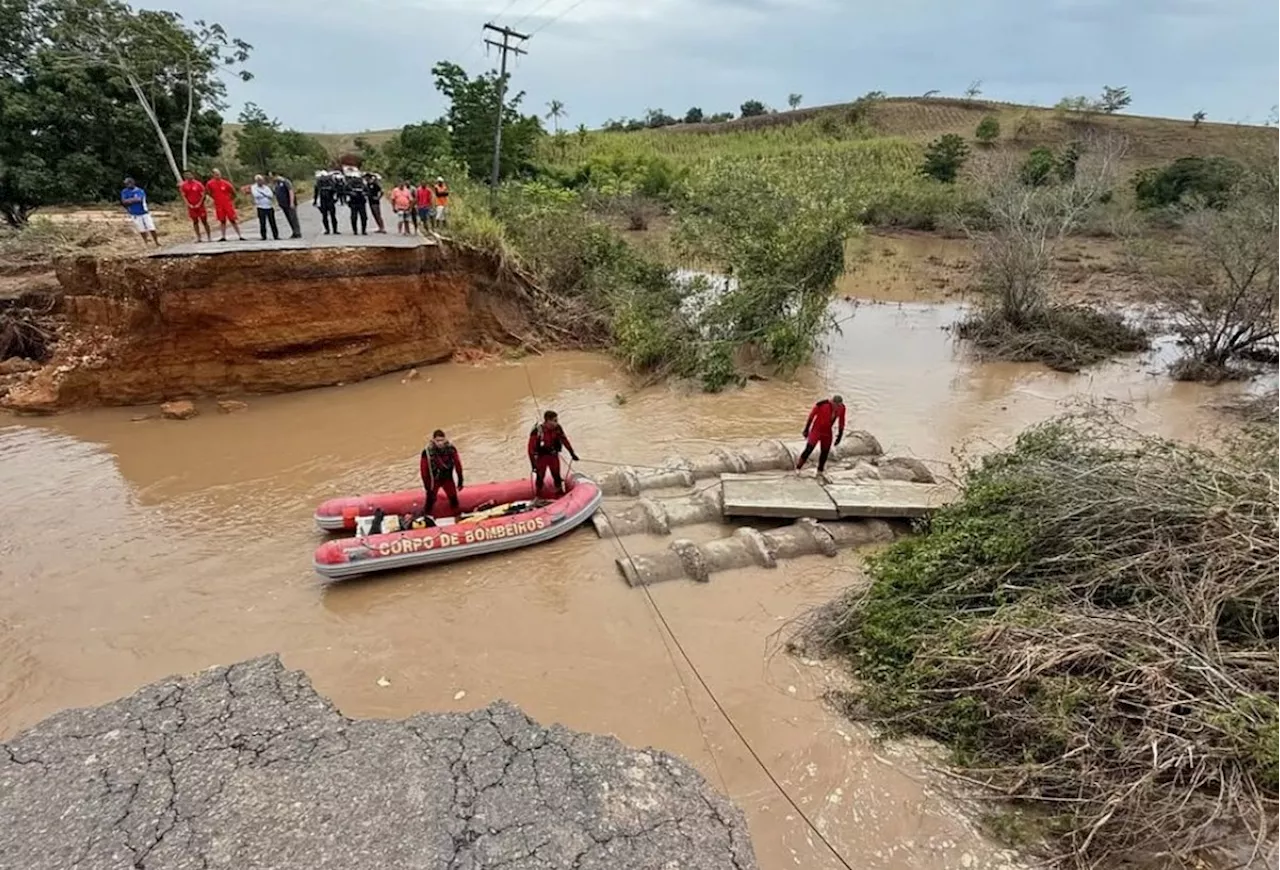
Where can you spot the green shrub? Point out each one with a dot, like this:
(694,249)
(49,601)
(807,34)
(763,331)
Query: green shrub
(944,157)
(1209,180)
(988,130)
(1091,628)
(1037,169)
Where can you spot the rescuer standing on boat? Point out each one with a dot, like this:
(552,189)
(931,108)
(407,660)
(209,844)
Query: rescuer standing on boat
(545,443)
(439,462)
(817,430)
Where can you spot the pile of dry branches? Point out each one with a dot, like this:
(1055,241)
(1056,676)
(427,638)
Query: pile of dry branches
(27,330)
(1092,629)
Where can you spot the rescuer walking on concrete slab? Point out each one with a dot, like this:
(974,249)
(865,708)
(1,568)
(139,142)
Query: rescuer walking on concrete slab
(546,440)
(817,430)
(439,463)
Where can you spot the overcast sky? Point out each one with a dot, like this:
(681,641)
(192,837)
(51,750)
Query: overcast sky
(350,65)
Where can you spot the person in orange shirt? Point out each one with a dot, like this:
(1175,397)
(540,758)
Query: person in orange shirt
(441,191)
(223,193)
(193,192)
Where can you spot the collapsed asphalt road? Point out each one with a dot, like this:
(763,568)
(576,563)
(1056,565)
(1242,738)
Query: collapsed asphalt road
(247,767)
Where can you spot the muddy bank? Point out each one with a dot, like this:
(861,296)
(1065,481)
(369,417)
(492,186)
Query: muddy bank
(247,767)
(149,329)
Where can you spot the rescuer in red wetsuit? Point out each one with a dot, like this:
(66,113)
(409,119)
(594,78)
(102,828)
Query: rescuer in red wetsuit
(439,463)
(546,440)
(817,429)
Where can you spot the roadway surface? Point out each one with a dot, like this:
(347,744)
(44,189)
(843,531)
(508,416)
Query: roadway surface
(313,235)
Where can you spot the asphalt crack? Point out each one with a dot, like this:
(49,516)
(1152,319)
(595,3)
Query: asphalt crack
(246,767)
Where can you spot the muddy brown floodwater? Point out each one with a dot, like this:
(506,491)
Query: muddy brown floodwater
(133,550)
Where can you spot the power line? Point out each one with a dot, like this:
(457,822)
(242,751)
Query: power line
(504,10)
(531,13)
(551,21)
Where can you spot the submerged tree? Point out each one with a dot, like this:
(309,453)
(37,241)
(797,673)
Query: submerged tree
(1027,217)
(1223,293)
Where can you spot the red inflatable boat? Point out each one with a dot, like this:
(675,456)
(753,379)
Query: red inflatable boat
(495,517)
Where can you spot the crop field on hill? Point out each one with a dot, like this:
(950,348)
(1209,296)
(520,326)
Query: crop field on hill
(896,130)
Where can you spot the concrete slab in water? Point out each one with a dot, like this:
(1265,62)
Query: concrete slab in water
(888,498)
(749,495)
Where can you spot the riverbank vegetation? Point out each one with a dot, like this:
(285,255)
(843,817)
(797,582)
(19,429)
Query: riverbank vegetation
(1092,631)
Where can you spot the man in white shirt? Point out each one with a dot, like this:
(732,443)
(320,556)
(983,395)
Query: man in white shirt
(264,199)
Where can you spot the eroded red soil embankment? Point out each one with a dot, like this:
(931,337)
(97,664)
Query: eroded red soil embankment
(147,330)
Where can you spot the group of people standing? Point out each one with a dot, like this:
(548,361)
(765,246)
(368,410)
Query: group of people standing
(196,194)
(422,205)
(266,195)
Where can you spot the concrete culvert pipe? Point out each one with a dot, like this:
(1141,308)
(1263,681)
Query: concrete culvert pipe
(748,547)
(657,516)
(770,455)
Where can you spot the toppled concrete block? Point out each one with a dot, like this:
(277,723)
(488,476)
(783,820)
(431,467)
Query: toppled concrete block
(179,410)
(246,767)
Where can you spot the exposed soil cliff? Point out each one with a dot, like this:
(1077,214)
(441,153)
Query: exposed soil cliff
(144,330)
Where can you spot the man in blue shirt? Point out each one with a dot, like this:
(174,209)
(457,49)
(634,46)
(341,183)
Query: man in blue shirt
(134,200)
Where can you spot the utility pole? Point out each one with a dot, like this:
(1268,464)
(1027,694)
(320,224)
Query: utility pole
(505,47)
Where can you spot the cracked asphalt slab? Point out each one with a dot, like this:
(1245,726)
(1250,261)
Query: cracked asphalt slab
(246,767)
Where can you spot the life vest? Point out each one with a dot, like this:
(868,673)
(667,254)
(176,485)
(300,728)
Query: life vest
(442,459)
(441,192)
(545,447)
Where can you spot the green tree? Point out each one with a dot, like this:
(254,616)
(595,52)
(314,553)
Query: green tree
(156,54)
(473,108)
(988,130)
(654,118)
(752,108)
(256,140)
(70,131)
(262,146)
(417,151)
(555,111)
(793,100)
(944,157)
(1198,117)
(1114,99)
(693,116)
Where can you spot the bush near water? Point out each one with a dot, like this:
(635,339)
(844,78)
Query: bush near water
(1092,630)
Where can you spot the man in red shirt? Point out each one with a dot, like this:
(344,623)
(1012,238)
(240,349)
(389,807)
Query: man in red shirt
(423,203)
(817,430)
(438,465)
(545,443)
(224,204)
(193,192)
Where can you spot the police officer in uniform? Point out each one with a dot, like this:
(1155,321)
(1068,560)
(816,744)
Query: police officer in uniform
(326,197)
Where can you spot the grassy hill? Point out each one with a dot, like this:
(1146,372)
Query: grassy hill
(912,121)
